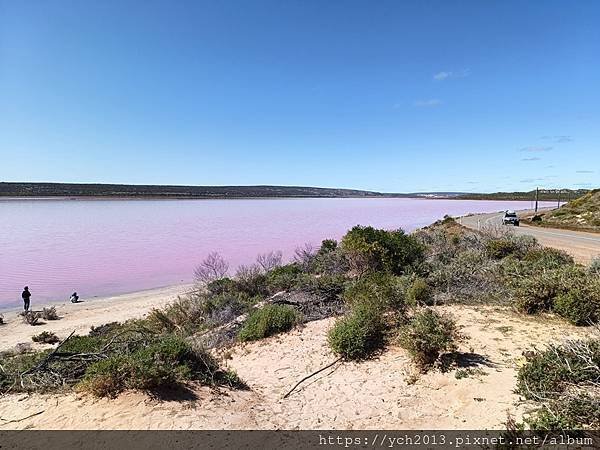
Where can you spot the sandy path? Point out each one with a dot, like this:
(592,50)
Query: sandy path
(373,394)
(81,316)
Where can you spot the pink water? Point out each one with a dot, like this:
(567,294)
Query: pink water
(108,247)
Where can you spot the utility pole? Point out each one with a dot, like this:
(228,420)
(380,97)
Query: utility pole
(559,191)
(537,193)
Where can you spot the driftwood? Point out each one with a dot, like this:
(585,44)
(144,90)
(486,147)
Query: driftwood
(310,376)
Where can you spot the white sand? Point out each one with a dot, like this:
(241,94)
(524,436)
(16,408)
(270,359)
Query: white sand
(375,394)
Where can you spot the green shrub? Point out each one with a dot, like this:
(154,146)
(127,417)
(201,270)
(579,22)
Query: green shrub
(427,335)
(370,249)
(580,306)
(45,337)
(563,377)
(166,361)
(500,248)
(12,366)
(571,412)
(283,278)
(330,259)
(379,290)
(83,344)
(251,281)
(107,329)
(547,258)
(419,293)
(107,378)
(358,334)
(552,371)
(536,292)
(327,286)
(268,320)
(594,267)
(221,286)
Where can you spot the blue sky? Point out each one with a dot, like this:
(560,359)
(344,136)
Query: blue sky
(384,95)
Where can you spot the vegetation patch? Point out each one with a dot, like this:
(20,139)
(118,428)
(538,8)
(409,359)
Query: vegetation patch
(369,249)
(357,335)
(267,321)
(427,335)
(565,379)
(45,337)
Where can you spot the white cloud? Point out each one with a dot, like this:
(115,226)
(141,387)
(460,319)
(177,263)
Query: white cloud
(534,158)
(444,75)
(559,139)
(428,103)
(535,149)
(584,171)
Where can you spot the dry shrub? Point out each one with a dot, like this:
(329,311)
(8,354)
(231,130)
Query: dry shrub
(45,337)
(50,313)
(31,317)
(211,268)
(269,261)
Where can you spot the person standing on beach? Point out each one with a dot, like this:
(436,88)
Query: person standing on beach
(26,295)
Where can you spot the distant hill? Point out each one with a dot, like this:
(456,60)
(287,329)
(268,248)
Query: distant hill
(128,190)
(580,214)
(544,195)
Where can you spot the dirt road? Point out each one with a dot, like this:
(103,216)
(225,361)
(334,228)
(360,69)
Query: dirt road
(581,245)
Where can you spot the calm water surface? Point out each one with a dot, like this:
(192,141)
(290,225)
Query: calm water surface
(104,247)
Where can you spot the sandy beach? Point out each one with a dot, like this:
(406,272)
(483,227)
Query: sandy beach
(79,317)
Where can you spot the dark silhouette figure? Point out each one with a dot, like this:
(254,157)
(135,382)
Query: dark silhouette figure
(74,297)
(26,295)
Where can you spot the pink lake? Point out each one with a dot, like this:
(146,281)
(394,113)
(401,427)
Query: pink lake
(105,247)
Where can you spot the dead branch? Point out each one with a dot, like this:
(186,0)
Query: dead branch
(6,422)
(311,375)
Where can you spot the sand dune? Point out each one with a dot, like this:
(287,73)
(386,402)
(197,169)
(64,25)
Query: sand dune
(375,394)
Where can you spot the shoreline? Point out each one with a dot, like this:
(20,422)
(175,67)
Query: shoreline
(80,317)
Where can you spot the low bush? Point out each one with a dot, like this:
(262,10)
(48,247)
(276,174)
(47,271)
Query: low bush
(469,277)
(552,371)
(330,259)
(378,290)
(563,377)
(268,320)
(167,361)
(50,313)
(284,278)
(327,286)
(251,281)
(105,330)
(45,337)
(594,267)
(536,292)
(419,293)
(572,412)
(31,317)
(500,248)
(427,335)
(581,306)
(357,335)
(221,286)
(547,258)
(369,249)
